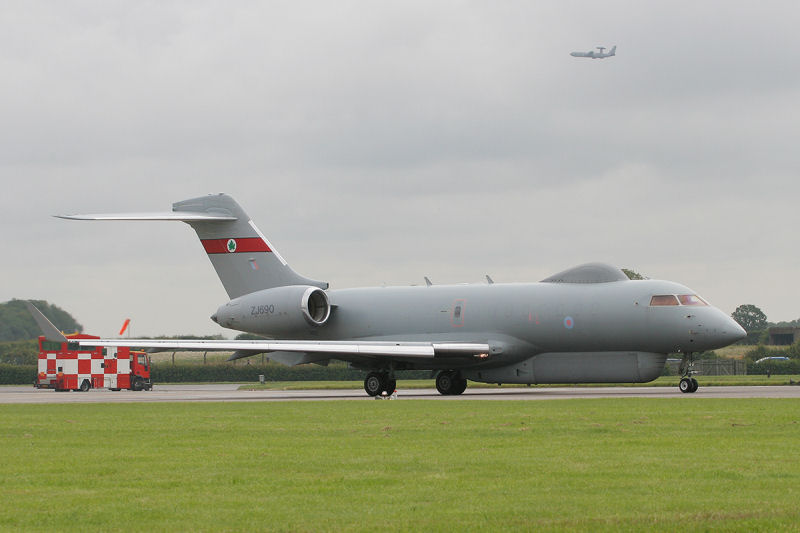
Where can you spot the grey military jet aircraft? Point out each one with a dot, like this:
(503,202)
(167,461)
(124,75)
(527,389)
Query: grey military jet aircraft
(588,324)
(596,55)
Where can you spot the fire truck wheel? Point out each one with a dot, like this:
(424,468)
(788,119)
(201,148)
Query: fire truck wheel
(85,386)
(138,383)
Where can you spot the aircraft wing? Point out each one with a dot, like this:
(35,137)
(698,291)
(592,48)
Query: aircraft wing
(330,349)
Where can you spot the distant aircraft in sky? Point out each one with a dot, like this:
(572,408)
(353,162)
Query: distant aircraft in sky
(587,324)
(596,55)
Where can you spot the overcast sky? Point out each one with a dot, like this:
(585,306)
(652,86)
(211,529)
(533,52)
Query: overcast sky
(380,142)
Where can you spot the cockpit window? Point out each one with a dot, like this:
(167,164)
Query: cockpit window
(663,299)
(691,299)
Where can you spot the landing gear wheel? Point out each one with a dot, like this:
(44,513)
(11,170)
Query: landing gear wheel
(688,383)
(461,385)
(85,386)
(449,383)
(373,384)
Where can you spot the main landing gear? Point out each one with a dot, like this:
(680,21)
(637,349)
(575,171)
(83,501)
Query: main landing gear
(378,382)
(450,382)
(688,383)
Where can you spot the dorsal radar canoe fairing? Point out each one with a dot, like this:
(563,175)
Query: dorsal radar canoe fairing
(587,324)
(588,273)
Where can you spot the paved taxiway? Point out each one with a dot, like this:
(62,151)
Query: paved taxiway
(230,393)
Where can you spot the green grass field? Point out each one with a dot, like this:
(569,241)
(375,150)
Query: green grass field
(629,464)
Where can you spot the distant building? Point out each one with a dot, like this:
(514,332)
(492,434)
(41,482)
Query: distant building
(783,336)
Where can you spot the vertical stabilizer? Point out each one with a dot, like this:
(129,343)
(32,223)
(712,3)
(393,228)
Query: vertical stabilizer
(244,259)
(613,51)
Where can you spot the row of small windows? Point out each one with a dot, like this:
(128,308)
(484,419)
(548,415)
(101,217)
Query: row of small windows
(680,299)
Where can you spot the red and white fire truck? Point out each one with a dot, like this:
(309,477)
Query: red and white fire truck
(66,366)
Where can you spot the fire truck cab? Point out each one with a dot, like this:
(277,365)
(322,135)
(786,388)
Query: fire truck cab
(66,366)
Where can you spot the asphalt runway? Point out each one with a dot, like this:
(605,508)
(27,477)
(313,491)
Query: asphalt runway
(230,393)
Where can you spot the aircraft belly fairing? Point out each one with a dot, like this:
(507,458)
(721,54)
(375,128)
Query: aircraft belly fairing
(576,367)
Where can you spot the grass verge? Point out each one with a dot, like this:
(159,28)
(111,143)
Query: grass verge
(632,464)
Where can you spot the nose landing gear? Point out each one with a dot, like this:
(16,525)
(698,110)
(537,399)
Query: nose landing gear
(688,383)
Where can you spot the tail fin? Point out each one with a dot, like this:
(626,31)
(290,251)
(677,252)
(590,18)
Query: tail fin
(613,51)
(244,259)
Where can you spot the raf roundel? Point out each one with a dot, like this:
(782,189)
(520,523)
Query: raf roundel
(569,323)
(231,247)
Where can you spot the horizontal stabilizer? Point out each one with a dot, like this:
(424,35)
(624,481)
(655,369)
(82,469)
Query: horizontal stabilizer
(182,216)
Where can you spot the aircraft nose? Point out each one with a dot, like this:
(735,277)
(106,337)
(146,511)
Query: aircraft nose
(214,318)
(736,331)
(731,331)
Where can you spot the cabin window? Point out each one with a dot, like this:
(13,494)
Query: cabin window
(663,299)
(691,299)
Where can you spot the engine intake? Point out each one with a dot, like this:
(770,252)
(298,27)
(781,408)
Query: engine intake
(315,306)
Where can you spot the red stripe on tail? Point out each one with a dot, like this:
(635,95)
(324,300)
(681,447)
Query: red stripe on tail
(227,246)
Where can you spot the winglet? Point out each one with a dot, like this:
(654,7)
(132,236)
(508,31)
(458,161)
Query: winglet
(51,332)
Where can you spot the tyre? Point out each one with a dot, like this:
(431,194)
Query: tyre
(373,384)
(85,386)
(138,383)
(445,382)
(460,385)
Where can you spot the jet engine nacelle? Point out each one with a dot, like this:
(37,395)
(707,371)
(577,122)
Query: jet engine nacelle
(278,311)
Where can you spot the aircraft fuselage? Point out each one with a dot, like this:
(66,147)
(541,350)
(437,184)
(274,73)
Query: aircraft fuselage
(521,320)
